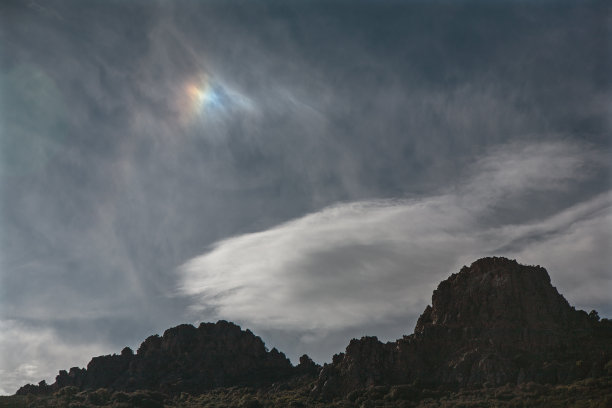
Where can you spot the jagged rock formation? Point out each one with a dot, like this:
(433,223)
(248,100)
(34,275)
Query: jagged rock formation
(184,359)
(494,322)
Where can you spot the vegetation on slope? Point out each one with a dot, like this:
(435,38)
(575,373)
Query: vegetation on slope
(589,393)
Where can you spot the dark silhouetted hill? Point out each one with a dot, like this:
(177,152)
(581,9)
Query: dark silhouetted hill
(184,359)
(494,325)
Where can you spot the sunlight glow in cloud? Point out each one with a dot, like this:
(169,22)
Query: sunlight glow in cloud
(207,98)
(355,263)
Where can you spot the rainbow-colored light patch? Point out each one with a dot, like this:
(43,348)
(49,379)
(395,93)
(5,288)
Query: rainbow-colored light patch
(204,98)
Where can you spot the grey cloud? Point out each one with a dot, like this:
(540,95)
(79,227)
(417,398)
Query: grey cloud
(355,263)
(576,248)
(104,191)
(29,353)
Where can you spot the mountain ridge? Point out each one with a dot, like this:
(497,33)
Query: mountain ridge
(183,359)
(493,323)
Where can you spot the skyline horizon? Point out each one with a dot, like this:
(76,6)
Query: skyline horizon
(309,170)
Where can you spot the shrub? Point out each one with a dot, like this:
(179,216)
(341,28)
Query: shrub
(250,402)
(608,367)
(100,396)
(68,391)
(403,392)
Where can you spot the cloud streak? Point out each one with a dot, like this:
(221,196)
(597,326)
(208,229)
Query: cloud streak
(354,263)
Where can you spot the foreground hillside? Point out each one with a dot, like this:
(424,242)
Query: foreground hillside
(496,334)
(591,393)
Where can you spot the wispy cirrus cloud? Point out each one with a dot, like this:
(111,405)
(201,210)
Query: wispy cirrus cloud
(104,189)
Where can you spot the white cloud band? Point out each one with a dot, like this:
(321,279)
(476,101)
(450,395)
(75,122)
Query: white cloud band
(355,263)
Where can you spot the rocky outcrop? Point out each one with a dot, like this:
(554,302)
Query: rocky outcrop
(494,322)
(185,358)
(307,366)
(502,294)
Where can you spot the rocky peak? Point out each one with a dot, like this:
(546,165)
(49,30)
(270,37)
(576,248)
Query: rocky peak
(494,322)
(499,293)
(185,358)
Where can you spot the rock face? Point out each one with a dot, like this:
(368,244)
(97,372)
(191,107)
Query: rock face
(498,293)
(185,358)
(494,322)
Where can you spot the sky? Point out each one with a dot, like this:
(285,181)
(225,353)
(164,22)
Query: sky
(310,170)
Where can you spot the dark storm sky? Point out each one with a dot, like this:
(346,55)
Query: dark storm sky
(310,170)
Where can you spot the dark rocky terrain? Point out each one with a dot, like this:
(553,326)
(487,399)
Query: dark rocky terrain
(493,323)
(184,359)
(496,331)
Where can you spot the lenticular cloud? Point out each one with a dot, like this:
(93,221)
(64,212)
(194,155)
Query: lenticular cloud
(355,263)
